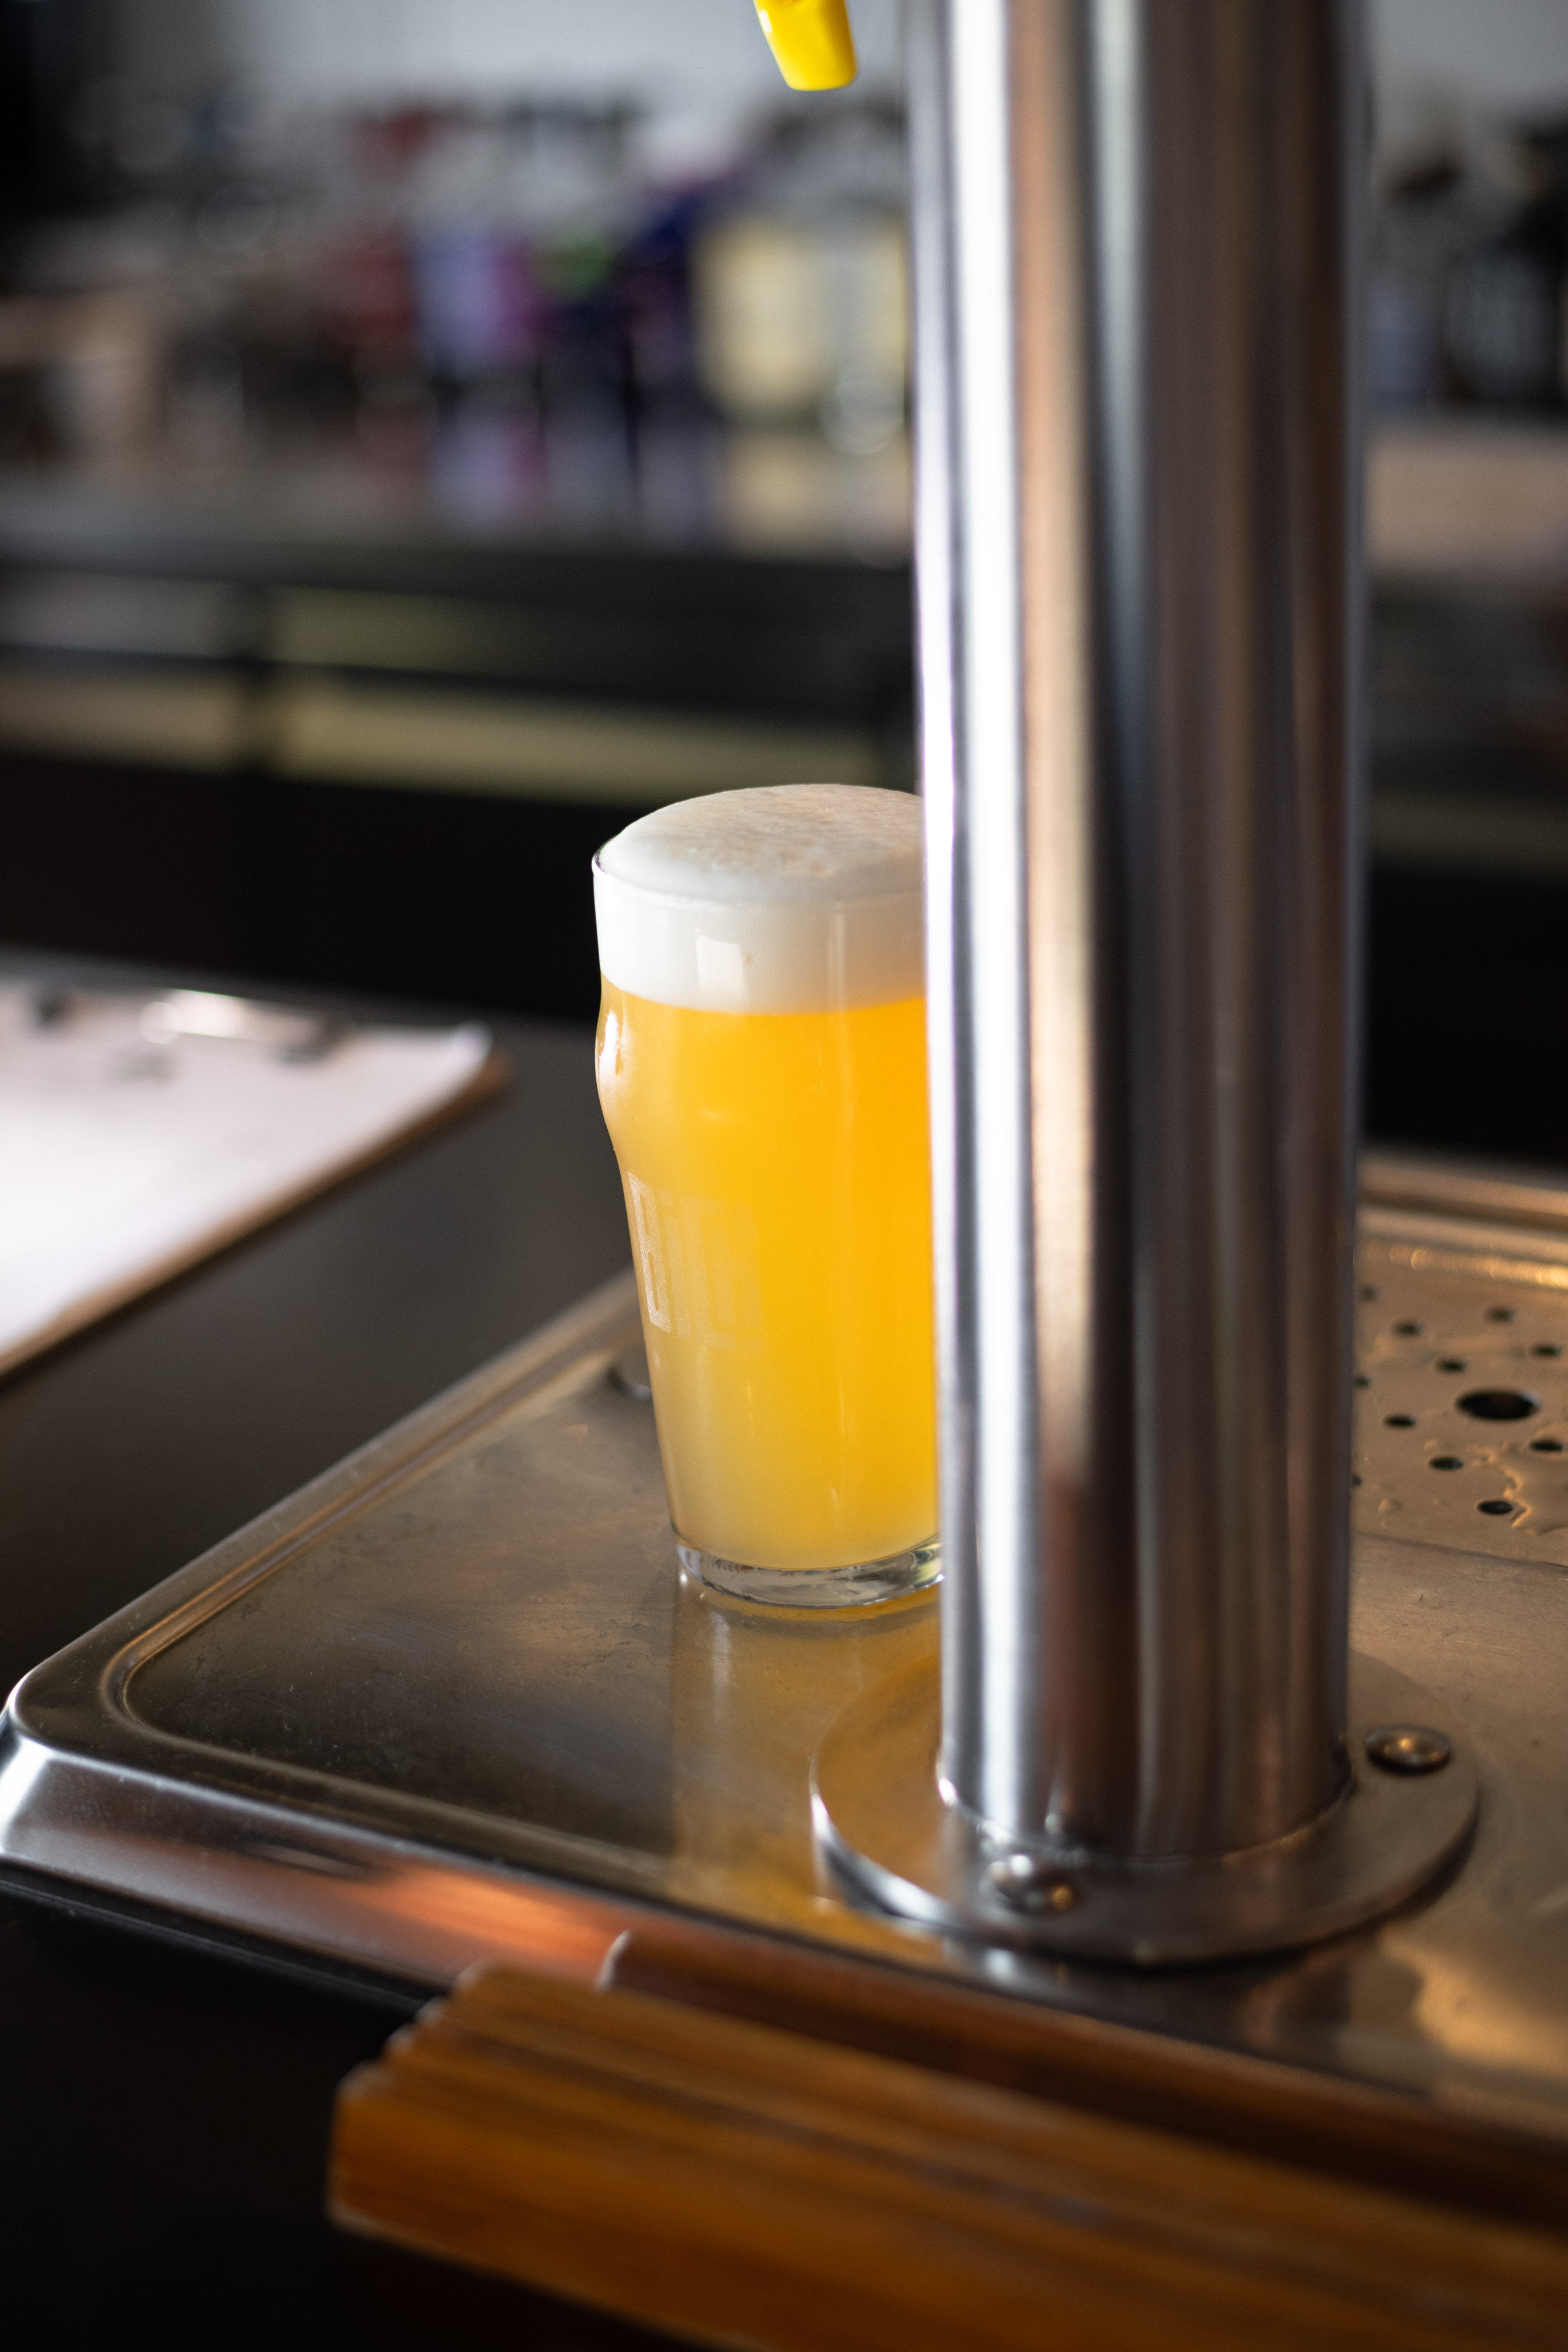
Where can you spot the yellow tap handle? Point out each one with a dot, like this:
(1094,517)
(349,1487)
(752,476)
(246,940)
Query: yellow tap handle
(811,40)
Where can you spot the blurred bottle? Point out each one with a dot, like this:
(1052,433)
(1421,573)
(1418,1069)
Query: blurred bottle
(800,287)
(1420,227)
(103,379)
(801,303)
(1470,256)
(764,318)
(477,302)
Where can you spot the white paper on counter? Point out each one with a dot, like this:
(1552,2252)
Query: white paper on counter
(123,1161)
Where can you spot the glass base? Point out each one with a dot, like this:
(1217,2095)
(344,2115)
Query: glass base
(858,1586)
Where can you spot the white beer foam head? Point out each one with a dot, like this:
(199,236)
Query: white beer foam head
(789,898)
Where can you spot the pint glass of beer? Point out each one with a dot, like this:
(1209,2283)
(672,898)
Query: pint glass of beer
(761,1061)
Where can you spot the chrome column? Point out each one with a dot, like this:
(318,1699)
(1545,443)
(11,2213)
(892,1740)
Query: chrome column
(1138,296)
(1140,573)
(1139,497)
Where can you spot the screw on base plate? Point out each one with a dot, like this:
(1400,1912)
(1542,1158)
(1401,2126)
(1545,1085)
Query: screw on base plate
(1030,1884)
(1408,1748)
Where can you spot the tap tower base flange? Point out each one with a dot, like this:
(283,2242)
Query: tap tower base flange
(884,1823)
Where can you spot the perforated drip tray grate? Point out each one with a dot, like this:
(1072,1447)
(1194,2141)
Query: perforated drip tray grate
(1462,1396)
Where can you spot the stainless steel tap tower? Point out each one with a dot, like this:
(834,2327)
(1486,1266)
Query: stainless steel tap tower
(1137,300)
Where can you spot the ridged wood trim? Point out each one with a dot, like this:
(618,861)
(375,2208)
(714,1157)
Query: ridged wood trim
(743,2184)
(1353,2131)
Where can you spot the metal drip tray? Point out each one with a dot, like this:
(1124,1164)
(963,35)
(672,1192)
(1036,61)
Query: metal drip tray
(455,1701)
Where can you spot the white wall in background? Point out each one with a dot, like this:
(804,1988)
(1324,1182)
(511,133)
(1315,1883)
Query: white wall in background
(699,69)
(1505,53)
(1490,55)
(1503,56)
(332,50)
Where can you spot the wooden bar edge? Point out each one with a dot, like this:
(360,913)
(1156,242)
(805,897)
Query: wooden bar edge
(742,2142)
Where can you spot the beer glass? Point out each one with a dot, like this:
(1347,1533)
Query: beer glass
(761,1061)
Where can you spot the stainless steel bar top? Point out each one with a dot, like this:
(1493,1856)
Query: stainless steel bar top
(455,1701)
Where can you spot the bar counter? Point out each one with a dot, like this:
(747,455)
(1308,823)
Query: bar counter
(167,2107)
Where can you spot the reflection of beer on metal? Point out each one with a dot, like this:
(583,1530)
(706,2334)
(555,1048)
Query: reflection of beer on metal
(762,1069)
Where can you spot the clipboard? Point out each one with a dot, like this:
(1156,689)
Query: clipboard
(141,1130)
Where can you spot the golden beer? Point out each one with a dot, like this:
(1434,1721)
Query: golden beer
(773,1146)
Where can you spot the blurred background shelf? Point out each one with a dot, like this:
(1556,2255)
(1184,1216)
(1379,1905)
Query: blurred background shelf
(431,436)
(387,764)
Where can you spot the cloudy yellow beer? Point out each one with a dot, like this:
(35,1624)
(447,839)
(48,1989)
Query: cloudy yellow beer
(774,1150)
